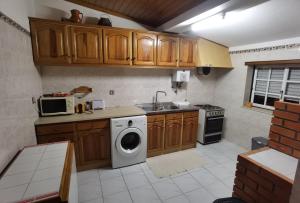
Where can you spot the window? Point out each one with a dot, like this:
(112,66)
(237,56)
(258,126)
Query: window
(275,83)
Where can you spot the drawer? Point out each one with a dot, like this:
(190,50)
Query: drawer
(155,118)
(54,129)
(87,125)
(190,114)
(173,116)
(41,139)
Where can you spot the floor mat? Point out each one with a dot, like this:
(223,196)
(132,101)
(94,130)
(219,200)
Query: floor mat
(174,163)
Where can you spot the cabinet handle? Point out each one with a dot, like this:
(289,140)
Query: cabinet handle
(127,58)
(176,60)
(133,59)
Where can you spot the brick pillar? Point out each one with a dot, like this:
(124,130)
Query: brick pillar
(285,129)
(295,196)
(256,184)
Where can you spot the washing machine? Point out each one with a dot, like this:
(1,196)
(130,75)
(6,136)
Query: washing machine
(128,140)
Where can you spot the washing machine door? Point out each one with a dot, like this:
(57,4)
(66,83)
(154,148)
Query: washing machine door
(128,142)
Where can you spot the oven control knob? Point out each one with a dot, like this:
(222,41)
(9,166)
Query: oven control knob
(130,123)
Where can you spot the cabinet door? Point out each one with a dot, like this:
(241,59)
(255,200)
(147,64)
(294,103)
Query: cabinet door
(117,46)
(187,52)
(94,147)
(189,132)
(155,134)
(86,45)
(173,135)
(50,43)
(144,49)
(167,51)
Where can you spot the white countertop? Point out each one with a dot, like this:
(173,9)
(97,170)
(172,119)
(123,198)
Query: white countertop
(110,112)
(36,172)
(282,163)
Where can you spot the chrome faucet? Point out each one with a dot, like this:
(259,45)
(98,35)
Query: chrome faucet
(156,94)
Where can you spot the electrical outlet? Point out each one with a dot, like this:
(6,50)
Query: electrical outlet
(111,92)
(33,100)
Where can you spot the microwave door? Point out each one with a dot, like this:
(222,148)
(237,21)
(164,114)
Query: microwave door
(54,106)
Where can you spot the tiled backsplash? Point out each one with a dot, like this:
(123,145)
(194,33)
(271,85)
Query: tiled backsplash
(131,86)
(19,81)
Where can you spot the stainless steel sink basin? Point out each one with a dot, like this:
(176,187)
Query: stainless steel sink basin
(164,106)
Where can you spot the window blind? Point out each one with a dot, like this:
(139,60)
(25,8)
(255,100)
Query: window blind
(261,86)
(275,87)
(262,73)
(293,89)
(277,74)
(272,83)
(294,74)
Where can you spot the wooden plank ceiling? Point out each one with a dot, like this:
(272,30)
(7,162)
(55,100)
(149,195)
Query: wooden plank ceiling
(149,12)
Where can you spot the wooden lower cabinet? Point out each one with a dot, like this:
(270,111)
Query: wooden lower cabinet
(91,141)
(171,132)
(189,132)
(155,135)
(173,135)
(94,148)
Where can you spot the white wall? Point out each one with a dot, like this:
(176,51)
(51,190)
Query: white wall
(295,40)
(20,10)
(19,81)
(242,123)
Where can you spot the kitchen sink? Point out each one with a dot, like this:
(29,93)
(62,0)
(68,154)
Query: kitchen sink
(164,106)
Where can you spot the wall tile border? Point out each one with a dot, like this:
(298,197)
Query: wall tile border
(13,23)
(272,48)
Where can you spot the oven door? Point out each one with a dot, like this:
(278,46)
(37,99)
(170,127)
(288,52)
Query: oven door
(214,124)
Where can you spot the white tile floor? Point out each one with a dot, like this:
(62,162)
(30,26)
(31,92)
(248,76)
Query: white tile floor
(138,184)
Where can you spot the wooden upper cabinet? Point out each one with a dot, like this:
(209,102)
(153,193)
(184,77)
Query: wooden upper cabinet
(50,43)
(187,52)
(213,54)
(144,49)
(167,51)
(86,45)
(117,46)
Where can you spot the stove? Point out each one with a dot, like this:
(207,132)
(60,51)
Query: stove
(211,110)
(210,126)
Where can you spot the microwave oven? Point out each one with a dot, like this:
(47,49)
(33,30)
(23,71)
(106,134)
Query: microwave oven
(52,106)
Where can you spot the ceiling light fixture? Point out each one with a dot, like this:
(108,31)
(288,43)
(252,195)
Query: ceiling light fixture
(218,20)
(203,16)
